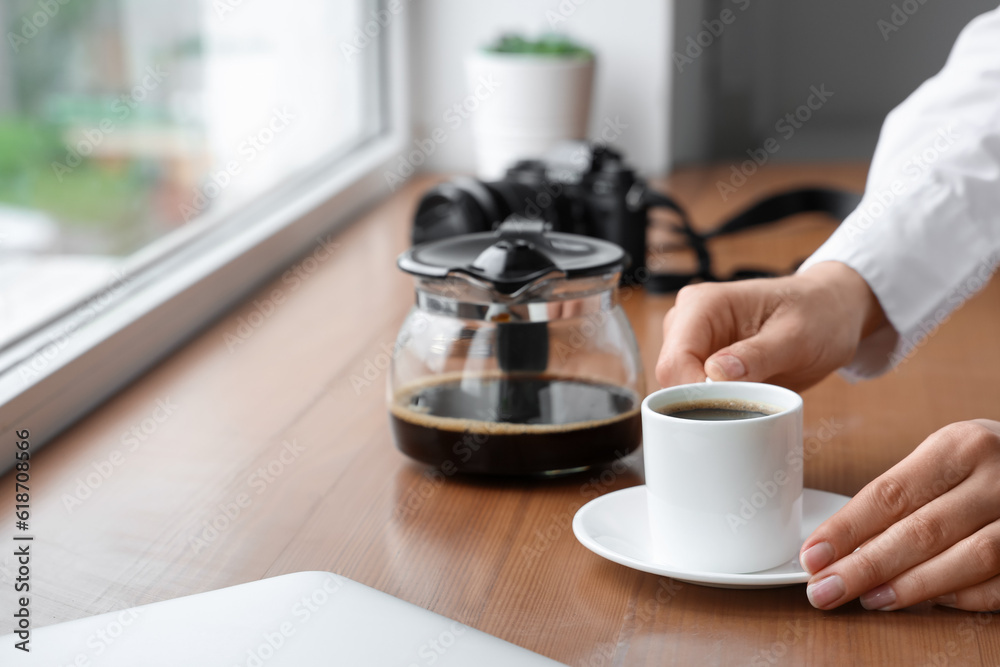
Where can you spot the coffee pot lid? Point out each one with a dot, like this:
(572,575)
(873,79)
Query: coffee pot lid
(518,253)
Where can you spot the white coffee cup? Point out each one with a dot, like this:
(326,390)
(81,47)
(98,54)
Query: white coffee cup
(724,496)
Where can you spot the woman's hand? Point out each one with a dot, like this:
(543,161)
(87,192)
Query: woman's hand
(791,331)
(927,529)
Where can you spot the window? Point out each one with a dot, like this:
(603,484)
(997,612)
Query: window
(147,147)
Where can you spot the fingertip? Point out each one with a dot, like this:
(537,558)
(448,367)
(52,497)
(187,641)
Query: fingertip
(826,593)
(817,557)
(882,598)
(725,366)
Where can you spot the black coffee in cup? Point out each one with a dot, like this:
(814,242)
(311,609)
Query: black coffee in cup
(718,409)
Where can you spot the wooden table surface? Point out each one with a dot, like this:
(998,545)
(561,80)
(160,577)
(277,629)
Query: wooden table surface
(260,410)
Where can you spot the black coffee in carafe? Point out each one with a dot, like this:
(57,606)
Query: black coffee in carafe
(517,358)
(515,424)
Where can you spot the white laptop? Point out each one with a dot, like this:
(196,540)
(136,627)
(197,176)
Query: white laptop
(304,619)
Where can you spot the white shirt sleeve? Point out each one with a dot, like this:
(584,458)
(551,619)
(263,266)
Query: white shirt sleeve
(926,235)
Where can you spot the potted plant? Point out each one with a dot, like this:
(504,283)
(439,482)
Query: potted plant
(529,95)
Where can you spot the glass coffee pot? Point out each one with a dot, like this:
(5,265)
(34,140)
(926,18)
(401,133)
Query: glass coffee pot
(517,357)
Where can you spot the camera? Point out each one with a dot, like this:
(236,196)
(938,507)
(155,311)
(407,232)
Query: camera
(578,188)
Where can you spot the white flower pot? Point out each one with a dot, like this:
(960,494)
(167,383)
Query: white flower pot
(535,102)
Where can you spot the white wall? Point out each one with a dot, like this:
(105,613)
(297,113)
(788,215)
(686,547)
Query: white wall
(630,37)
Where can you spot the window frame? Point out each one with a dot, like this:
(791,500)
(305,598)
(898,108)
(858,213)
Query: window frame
(50,380)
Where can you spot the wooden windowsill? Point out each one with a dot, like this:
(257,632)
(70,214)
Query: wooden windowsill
(262,447)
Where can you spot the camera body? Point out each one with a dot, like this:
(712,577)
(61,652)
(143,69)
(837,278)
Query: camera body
(579,188)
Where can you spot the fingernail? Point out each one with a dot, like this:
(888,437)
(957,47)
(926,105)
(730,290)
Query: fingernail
(946,600)
(826,591)
(727,367)
(879,598)
(816,557)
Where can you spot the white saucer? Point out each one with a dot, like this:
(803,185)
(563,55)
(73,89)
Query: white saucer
(616,526)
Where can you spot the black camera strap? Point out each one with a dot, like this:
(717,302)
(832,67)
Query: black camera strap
(835,203)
